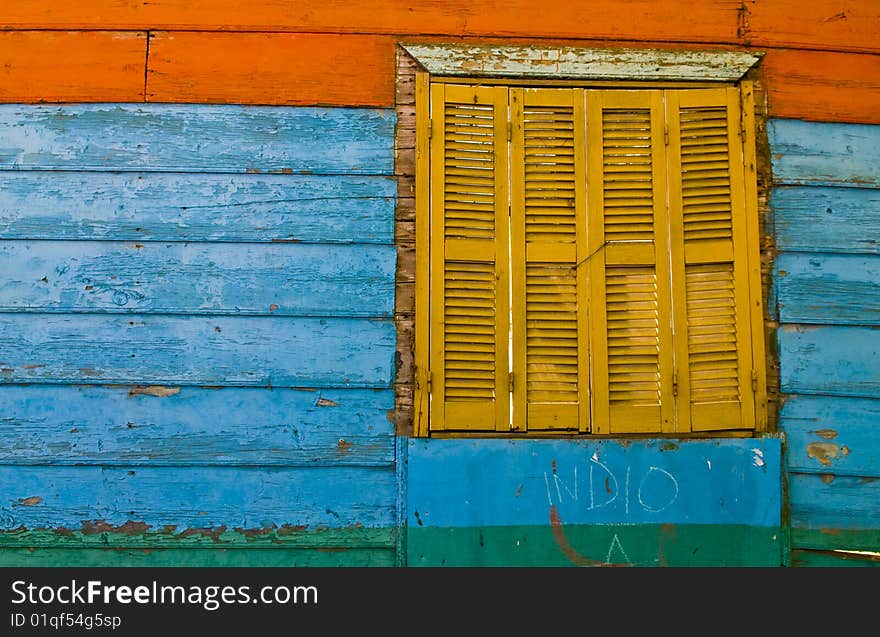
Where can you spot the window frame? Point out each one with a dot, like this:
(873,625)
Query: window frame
(421,369)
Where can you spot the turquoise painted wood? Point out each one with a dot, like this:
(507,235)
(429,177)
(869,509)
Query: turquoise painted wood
(246,498)
(520,482)
(828,288)
(195,350)
(824,154)
(197,207)
(817,219)
(834,360)
(196,336)
(197,558)
(197,138)
(830,434)
(49,424)
(841,503)
(197,278)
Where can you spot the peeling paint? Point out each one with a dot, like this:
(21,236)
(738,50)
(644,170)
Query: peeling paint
(154,390)
(342,445)
(214,533)
(91,527)
(823,452)
(31,501)
(326,402)
(827,478)
(828,434)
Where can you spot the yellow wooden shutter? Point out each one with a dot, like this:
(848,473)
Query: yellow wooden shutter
(469,259)
(548,239)
(630,314)
(709,261)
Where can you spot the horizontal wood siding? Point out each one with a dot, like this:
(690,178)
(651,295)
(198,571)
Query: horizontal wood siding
(821,61)
(211,139)
(72,66)
(253,208)
(826,211)
(816,219)
(246,278)
(232,426)
(179,307)
(836,25)
(270,68)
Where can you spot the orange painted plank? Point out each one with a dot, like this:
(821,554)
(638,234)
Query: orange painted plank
(271,68)
(823,86)
(841,25)
(704,21)
(72,66)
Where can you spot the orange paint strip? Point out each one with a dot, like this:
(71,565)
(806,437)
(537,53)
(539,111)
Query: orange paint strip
(72,66)
(820,86)
(705,21)
(271,68)
(838,25)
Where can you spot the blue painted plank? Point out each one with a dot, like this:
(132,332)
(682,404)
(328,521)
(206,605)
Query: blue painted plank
(838,503)
(222,350)
(828,288)
(197,207)
(196,498)
(830,434)
(824,154)
(197,278)
(477,483)
(817,219)
(197,138)
(834,360)
(46,424)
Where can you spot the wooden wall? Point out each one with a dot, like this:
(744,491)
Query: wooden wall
(826,211)
(196,335)
(199,329)
(821,57)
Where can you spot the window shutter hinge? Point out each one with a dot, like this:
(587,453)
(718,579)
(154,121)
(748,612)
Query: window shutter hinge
(666,134)
(430,127)
(429,376)
(510,381)
(754,381)
(675,383)
(509,134)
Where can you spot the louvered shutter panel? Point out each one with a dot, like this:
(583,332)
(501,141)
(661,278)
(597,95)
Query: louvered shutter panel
(630,314)
(469,330)
(709,261)
(548,239)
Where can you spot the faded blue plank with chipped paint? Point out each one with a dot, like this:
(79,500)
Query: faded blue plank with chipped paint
(196,498)
(818,219)
(197,278)
(197,207)
(834,502)
(477,483)
(824,154)
(46,424)
(197,138)
(828,288)
(830,434)
(830,359)
(271,351)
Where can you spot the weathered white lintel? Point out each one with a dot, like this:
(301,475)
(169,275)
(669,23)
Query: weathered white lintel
(544,62)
